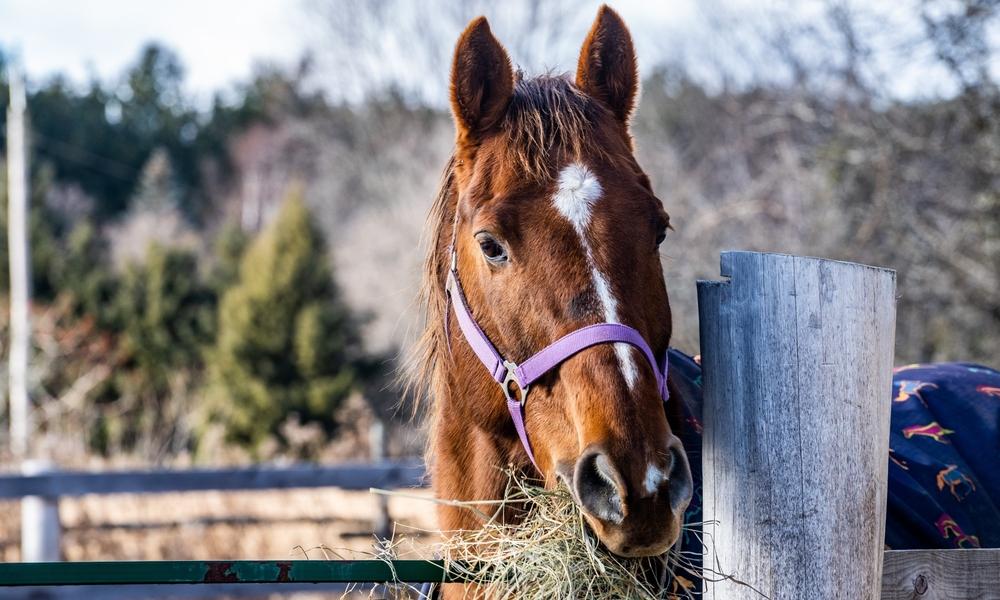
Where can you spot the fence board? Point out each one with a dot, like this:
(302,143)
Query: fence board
(941,574)
(389,474)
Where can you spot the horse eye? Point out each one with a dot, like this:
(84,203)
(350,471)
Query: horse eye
(660,237)
(492,249)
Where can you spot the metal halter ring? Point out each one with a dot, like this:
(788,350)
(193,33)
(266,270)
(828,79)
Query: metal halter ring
(511,377)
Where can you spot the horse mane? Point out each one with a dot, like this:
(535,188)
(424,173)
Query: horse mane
(547,117)
(420,368)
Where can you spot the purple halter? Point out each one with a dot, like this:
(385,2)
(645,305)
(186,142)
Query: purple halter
(506,372)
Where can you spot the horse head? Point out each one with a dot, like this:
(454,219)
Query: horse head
(551,226)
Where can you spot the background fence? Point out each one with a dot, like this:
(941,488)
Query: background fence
(40,489)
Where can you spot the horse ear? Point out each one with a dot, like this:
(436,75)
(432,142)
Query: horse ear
(607,68)
(482,81)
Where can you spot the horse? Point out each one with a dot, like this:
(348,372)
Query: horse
(548,319)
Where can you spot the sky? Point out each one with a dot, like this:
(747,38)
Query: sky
(220,41)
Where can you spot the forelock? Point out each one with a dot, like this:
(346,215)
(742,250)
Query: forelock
(549,121)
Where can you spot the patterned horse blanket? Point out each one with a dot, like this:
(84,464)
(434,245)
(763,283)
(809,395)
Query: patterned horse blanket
(944,454)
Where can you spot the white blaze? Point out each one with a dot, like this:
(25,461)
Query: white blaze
(578,192)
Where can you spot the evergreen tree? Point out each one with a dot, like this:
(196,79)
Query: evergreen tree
(85,278)
(45,230)
(166,315)
(165,318)
(157,189)
(229,244)
(287,345)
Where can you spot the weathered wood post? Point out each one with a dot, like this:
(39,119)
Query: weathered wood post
(797,357)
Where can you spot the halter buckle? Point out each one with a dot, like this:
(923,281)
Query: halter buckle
(509,378)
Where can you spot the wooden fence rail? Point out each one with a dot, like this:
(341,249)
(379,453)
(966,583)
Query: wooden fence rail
(55,484)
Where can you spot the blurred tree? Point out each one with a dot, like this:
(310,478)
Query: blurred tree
(156,115)
(44,232)
(157,187)
(100,138)
(154,216)
(287,344)
(165,314)
(85,279)
(230,243)
(83,139)
(165,317)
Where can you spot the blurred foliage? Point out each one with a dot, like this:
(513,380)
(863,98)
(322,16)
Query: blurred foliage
(137,150)
(909,184)
(170,277)
(100,138)
(287,344)
(164,316)
(56,259)
(89,286)
(230,243)
(157,186)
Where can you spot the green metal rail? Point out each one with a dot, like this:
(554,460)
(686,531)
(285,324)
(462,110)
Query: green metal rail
(157,572)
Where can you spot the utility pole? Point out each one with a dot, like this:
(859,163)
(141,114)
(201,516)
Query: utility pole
(20,277)
(40,529)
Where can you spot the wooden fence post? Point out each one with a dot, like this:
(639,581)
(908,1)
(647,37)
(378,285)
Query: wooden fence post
(797,357)
(41,530)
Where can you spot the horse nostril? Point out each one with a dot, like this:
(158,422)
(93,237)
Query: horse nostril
(680,485)
(599,487)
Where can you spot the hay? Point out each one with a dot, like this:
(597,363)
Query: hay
(551,553)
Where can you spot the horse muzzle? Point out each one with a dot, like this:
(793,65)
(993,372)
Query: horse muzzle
(635,510)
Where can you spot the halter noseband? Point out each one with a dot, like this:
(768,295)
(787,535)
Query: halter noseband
(508,373)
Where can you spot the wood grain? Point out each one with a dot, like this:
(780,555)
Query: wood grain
(941,574)
(797,357)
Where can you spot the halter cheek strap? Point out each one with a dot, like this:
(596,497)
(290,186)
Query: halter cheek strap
(508,373)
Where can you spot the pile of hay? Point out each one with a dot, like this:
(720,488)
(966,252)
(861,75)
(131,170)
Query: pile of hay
(551,553)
